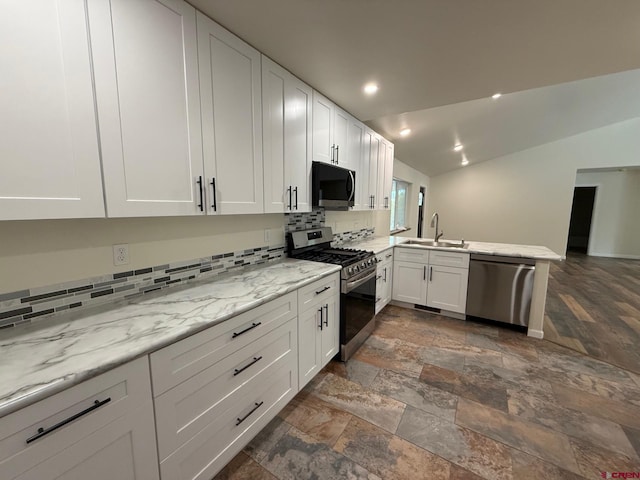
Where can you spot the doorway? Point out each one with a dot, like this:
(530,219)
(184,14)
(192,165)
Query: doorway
(581,218)
(421,203)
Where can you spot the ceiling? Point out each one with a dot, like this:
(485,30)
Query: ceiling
(433,53)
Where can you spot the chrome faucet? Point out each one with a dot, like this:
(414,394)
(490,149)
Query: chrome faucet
(434,223)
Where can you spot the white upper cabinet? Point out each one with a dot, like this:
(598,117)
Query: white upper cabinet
(388,174)
(49,161)
(381,202)
(286,119)
(364,173)
(341,120)
(230,91)
(146,80)
(354,155)
(323,119)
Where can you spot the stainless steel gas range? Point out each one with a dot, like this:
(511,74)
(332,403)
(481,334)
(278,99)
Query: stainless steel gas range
(357,284)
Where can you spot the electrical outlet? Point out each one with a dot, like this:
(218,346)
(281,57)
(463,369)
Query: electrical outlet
(121,254)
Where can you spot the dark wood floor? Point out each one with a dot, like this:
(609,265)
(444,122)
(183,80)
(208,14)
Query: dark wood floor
(593,306)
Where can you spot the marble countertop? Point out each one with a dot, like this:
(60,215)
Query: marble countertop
(536,252)
(43,358)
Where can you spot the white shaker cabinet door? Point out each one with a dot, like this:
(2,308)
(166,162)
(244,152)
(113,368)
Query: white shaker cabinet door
(286,120)
(146,77)
(330,331)
(124,450)
(49,162)
(354,154)
(448,288)
(309,345)
(410,282)
(297,144)
(388,174)
(230,91)
(340,134)
(323,143)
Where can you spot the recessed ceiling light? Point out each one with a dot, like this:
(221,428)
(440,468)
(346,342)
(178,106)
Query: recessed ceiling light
(370,88)
(496,96)
(458,147)
(465,162)
(404,132)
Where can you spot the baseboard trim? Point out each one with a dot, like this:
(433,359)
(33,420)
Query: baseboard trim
(615,255)
(535,333)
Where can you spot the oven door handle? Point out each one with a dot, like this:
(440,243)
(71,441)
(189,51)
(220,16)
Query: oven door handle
(356,283)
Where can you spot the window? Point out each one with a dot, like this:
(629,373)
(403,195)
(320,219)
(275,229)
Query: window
(399,194)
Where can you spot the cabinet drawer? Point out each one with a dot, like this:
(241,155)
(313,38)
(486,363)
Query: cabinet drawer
(385,257)
(189,407)
(449,259)
(182,360)
(419,255)
(318,291)
(215,445)
(126,387)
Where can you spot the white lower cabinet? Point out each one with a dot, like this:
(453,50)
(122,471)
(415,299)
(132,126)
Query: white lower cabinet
(319,326)
(218,388)
(410,282)
(384,279)
(100,429)
(434,278)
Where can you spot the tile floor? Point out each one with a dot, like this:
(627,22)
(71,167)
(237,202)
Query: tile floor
(434,398)
(593,306)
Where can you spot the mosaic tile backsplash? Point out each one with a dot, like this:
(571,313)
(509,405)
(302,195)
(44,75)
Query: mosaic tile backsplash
(37,304)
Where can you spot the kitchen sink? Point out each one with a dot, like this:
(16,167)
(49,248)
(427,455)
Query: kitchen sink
(442,243)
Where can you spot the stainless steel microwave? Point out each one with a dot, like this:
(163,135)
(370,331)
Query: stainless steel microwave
(332,187)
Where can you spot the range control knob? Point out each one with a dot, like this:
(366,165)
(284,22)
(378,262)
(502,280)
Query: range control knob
(350,270)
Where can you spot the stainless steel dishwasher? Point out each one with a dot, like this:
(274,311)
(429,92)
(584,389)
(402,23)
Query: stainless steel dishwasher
(500,288)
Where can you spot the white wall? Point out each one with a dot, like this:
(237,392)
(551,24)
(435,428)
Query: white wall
(526,197)
(615,225)
(416,179)
(37,253)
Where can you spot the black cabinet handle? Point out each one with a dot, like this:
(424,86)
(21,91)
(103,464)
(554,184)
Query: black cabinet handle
(326,314)
(240,420)
(289,190)
(201,204)
(385,274)
(337,154)
(388,255)
(318,292)
(253,325)
(430,273)
(240,370)
(295,190)
(333,147)
(213,185)
(42,432)
(320,310)
(424,274)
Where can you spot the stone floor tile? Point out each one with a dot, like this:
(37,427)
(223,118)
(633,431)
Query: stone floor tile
(593,460)
(261,445)
(297,456)
(387,455)
(466,448)
(354,370)
(504,345)
(411,332)
(474,383)
(380,410)
(243,468)
(459,473)
(462,350)
(543,409)
(391,354)
(529,437)
(528,467)
(416,393)
(633,434)
(316,418)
